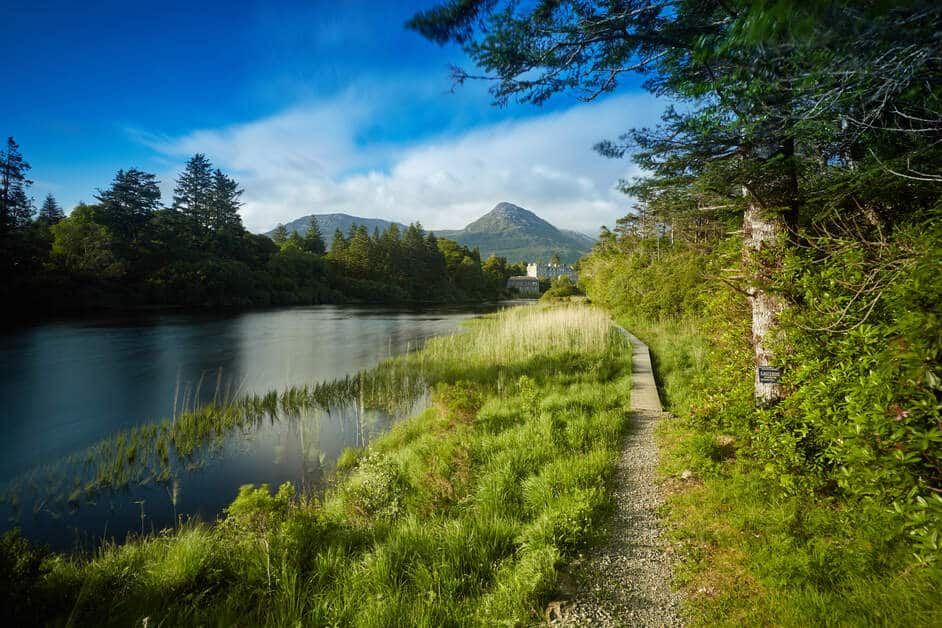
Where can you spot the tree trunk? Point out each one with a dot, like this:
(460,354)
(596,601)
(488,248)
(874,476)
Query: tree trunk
(764,234)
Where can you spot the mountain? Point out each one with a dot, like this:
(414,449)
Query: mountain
(520,235)
(507,230)
(329,223)
(578,236)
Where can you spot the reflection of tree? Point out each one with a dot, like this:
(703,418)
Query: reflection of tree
(312,456)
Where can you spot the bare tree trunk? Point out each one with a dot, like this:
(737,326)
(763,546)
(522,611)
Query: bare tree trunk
(763,232)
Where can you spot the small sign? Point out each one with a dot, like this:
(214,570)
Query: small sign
(770,375)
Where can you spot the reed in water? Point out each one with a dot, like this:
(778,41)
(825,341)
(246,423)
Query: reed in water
(462,514)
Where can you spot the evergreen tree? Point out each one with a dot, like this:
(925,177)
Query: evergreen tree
(280,235)
(313,239)
(294,242)
(129,203)
(16,208)
(359,252)
(390,247)
(338,246)
(414,257)
(51,212)
(193,195)
(434,269)
(224,203)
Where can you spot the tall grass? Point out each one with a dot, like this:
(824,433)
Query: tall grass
(158,452)
(461,515)
(518,334)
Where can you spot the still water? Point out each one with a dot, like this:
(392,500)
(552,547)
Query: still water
(66,386)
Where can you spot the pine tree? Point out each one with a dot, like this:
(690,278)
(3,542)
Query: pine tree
(16,208)
(280,235)
(313,239)
(358,254)
(294,241)
(414,255)
(129,203)
(389,254)
(338,246)
(224,203)
(434,269)
(51,212)
(193,195)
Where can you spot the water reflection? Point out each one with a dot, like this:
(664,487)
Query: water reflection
(67,386)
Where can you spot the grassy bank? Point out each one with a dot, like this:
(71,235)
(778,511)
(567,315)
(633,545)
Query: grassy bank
(460,515)
(752,554)
(820,511)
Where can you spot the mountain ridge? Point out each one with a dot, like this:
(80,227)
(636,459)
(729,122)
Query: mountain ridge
(507,230)
(329,223)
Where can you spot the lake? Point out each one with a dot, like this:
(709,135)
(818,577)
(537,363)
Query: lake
(66,386)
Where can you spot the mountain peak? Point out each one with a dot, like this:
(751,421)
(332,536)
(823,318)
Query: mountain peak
(509,217)
(510,209)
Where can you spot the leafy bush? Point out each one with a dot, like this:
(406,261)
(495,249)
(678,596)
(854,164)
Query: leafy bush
(863,349)
(21,568)
(826,507)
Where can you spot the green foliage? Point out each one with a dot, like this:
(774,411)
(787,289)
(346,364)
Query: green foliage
(314,239)
(51,212)
(129,203)
(825,507)
(16,208)
(562,288)
(460,515)
(193,195)
(127,252)
(255,509)
(863,355)
(83,247)
(414,266)
(280,235)
(21,570)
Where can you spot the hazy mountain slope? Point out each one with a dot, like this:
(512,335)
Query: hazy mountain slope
(331,222)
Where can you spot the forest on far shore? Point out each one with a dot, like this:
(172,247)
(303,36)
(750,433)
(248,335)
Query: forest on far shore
(128,250)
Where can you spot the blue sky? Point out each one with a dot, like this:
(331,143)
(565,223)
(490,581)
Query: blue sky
(314,107)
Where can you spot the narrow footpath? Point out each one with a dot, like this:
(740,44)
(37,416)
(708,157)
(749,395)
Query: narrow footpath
(627,580)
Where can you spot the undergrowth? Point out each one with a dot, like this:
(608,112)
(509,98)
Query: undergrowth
(824,510)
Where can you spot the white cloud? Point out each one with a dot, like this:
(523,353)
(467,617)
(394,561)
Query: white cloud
(308,159)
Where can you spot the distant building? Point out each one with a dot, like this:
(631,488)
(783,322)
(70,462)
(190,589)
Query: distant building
(525,286)
(551,271)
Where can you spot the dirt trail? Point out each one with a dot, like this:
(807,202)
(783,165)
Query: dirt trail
(626,581)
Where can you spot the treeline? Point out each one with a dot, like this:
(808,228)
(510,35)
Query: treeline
(407,265)
(127,250)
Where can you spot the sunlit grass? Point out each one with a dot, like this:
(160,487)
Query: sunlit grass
(461,515)
(748,554)
(518,334)
(158,452)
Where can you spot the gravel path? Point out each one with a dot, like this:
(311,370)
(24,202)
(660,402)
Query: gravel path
(626,581)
